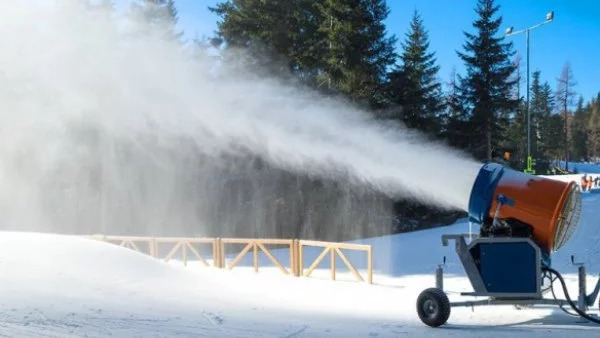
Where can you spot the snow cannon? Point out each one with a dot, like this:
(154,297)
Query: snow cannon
(523,219)
(509,203)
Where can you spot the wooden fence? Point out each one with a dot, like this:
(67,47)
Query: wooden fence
(256,245)
(189,245)
(153,244)
(335,249)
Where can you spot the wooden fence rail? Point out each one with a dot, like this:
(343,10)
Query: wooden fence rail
(131,242)
(185,244)
(335,249)
(256,245)
(296,252)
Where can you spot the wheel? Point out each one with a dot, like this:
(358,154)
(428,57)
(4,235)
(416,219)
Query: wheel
(433,307)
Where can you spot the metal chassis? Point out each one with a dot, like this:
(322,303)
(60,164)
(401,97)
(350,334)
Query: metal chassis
(584,301)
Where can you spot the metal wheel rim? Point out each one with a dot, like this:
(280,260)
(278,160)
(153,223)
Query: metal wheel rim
(430,308)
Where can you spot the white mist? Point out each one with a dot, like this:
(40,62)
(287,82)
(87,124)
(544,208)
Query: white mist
(99,125)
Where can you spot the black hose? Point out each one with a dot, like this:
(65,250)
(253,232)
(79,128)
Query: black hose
(564,287)
(561,306)
(546,275)
(551,288)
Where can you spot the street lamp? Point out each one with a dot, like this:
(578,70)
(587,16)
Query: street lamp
(509,31)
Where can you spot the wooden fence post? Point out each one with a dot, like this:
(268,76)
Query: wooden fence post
(300,259)
(152,247)
(218,254)
(332,263)
(296,258)
(370,265)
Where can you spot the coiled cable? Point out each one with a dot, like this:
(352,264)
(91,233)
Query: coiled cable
(566,292)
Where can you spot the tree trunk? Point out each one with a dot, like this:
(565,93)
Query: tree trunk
(566,133)
(488,139)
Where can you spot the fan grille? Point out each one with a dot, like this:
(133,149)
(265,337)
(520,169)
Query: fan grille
(568,218)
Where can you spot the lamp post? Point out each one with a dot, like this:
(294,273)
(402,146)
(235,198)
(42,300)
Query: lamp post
(510,32)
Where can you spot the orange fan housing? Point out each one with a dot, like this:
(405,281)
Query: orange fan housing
(551,207)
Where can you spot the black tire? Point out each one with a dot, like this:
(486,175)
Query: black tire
(433,307)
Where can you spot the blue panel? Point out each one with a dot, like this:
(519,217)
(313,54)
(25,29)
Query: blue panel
(508,267)
(482,193)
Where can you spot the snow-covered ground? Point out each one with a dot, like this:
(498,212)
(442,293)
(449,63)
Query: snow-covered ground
(65,286)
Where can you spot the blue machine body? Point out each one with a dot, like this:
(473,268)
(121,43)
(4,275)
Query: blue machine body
(510,267)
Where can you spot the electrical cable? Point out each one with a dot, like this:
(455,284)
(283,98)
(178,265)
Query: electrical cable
(547,275)
(564,287)
(561,306)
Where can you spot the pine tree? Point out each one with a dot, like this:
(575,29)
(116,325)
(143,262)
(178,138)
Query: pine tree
(414,85)
(339,46)
(278,37)
(516,132)
(578,133)
(159,15)
(549,126)
(517,77)
(517,136)
(487,86)
(536,112)
(593,128)
(358,52)
(455,119)
(565,95)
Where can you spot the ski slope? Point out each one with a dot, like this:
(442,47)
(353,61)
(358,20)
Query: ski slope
(65,286)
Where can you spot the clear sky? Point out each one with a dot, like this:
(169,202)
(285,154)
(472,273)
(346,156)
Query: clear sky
(573,36)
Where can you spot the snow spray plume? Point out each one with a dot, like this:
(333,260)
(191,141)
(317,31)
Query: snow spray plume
(103,123)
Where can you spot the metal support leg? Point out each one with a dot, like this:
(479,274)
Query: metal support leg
(581,300)
(439,278)
(439,275)
(582,295)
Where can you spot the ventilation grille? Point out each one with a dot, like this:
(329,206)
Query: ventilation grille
(568,218)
